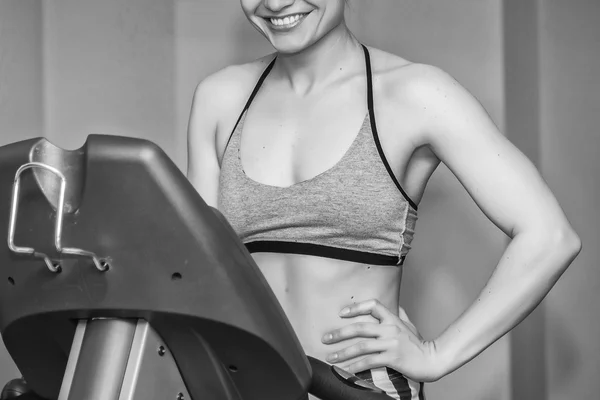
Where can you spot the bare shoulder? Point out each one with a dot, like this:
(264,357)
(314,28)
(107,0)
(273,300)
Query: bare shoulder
(430,95)
(411,82)
(218,100)
(383,62)
(426,85)
(229,87)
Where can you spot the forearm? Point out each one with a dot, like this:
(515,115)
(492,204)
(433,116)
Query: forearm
(530,266)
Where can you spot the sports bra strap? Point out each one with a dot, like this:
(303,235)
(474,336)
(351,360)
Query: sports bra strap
(369,79)
(259,84)
(262,78)
(374,129)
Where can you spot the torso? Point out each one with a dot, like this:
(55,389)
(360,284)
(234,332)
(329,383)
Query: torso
(289,139)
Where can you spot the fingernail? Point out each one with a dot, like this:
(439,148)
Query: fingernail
(345,311)
(332,357)
(327,337)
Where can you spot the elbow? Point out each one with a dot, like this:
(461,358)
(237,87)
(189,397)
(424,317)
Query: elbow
(562,238)
(569,240)
(553,246)
(568,245)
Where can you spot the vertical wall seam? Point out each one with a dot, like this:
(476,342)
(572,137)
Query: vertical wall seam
(523,127)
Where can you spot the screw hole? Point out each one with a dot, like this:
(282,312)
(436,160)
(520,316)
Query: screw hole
(176,276)
(161,351)
(11,280)
(233,368)
(180,396)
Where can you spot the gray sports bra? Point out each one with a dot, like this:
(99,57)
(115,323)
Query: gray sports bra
(355,211)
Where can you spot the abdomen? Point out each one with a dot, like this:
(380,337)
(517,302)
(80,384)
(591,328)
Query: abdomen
(313,290)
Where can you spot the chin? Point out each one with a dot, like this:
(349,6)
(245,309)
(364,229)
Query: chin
(293,41)
(290,47)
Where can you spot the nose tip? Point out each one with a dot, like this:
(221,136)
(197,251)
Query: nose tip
(278,5)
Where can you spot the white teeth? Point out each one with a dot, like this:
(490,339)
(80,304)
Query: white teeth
(285,21)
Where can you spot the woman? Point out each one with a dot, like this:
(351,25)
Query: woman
(321,175)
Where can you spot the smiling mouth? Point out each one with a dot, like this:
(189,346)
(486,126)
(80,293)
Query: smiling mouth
(286,23)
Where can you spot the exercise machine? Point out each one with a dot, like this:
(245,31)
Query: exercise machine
(118,282)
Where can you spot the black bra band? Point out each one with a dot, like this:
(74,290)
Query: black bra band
(309,249)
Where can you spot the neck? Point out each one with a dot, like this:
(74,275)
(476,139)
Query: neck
(317,63)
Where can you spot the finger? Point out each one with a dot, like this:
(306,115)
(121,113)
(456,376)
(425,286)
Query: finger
(369,362)
(361,348)
(372,307)
(358,329)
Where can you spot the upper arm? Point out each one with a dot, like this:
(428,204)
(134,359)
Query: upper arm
(203,167)
(502,181)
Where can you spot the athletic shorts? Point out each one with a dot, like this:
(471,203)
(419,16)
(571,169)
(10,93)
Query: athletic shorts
(393,383)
